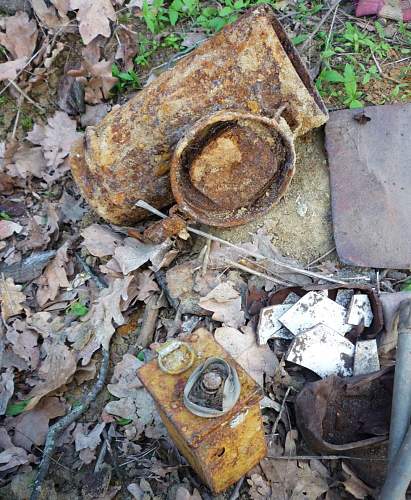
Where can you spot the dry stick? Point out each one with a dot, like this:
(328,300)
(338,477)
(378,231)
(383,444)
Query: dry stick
(256,273)
(149,322)
(248,253)
(322,257)
(381,72)
(277,420)
(236,492)
(27,97)
(64,422)
(326,457)
(317,28)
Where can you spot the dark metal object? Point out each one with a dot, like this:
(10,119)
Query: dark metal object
(28,268)
(371,185)
(248,67)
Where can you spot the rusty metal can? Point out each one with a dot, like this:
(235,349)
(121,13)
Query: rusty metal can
(250,68)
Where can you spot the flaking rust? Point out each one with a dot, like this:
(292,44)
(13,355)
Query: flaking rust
(249,68)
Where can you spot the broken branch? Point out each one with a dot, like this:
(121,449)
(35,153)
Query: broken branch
(56,429)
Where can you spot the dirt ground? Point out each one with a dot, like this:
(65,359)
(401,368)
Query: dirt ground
(300,225)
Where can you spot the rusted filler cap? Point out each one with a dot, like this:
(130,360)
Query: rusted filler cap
(232,166)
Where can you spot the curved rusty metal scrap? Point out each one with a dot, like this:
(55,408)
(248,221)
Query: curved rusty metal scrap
(250,66)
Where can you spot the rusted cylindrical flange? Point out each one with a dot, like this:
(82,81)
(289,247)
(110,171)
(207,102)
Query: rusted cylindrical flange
(250,66)
(231,167)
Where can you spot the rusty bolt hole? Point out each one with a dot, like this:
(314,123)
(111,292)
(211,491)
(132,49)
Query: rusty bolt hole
(220,452)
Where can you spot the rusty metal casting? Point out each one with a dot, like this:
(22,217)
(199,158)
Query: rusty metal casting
(249,71)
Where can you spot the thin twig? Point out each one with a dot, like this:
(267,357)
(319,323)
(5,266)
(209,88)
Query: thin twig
(318,27)
(16,121)
(277,420)
(162,283)
(27,97)
(236,492)
(321,257)
(244,251)
(381,72)
(97,280)
(206,258)
(256,273)
(327,457)
(149,323)
(57,428)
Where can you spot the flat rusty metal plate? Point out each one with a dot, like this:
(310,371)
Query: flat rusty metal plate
(369,154)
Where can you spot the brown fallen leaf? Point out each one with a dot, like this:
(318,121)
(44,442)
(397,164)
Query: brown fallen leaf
(94,17)
(48,14)
(24,343)
(124,382)
(9,69)
(27,162)
(31,427)
(256,360)
(100,83)
(20,35)
(100,241)
(182,493)
(133,254)
(127,48)
(6,389)
(259,488)
(146,285)
(353,484)
(53,277)
(12,457)
(8,228)
(94,114)
(11,298)
(55,138)
(87,443)
(98,327)
(225,302)
(59,365)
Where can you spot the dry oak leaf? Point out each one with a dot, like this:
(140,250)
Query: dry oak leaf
(9,69)
(225,302)
(59,365)
(27,162)
(24,343)
(54,277)
(55,138)
(94,17)
(31,427)
(12,457)
(20,36)
(8,227)
(6,389)
(11,298)
(100,241)
(88,442)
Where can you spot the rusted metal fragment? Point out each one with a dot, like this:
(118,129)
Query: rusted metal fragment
(370,185)
(222,449)
(161,230)
(349,416)
(249,66)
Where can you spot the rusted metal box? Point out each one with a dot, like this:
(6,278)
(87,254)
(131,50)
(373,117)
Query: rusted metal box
(221,450)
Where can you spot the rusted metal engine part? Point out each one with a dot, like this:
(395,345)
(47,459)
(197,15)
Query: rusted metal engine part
(222,449)
(250,66)
(232,166)
(159,231)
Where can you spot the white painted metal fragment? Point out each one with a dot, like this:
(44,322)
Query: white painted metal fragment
(312,309)
(360,310)
(366,358)
(292,298)
(323,351)
(269,323)
(344,296)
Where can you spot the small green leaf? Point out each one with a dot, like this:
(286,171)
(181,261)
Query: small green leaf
(226,11)
(330,75)
(77,309)
(14,409)
(5,216)
(123,421)
(173,16)
(140,356)
(297,40)
(356,104)
(406,287)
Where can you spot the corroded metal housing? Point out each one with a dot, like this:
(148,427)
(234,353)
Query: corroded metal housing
(249,67)
(222,449)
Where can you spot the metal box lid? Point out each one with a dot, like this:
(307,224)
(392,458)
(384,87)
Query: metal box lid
(167,390)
